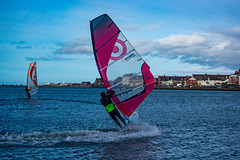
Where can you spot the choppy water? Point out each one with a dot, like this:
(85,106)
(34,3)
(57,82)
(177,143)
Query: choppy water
(70,123)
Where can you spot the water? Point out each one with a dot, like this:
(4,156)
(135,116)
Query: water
(70,123)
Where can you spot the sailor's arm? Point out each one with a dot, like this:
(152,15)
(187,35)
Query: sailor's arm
(111,93)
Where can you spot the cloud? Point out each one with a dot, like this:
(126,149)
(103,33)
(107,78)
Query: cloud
(24,47)
(203,70)
(19,42)
(79,46)
(229,33)
(20,45)
(218,48)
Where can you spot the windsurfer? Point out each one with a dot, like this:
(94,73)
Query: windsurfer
(27,91)
(110,107)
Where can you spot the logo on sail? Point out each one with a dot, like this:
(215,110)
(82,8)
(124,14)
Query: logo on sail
(119,50)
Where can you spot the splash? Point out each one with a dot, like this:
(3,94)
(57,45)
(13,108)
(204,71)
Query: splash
(132,131)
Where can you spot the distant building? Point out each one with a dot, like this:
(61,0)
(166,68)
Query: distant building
(156,82)
(132,79)
(195,80)
(234,79)
(117,80)
(48,84)
(86,84)
(212,81)
(126,78)
(75,84)
(191,81)
(58,83)
(66,84)
(170,81)
(98,82)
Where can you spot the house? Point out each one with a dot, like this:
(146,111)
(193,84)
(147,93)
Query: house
(234,79)
(211,80)
(170,81)
(191,82)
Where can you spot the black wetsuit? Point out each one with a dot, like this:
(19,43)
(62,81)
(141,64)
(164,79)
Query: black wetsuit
(28,93)
(106,101)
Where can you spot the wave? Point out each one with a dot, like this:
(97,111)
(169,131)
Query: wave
(40,139)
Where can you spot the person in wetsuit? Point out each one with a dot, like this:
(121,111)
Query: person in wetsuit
(110,107)
(27,91)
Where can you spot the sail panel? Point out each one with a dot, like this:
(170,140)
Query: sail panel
(103,31)
(122,69)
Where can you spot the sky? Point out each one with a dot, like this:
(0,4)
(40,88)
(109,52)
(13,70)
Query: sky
(175,37)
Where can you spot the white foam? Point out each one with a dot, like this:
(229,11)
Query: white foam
(132,131)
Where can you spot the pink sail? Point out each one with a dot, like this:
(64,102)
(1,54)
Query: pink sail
(121,68)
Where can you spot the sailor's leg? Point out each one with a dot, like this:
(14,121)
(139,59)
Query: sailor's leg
(115,119)
(120,117)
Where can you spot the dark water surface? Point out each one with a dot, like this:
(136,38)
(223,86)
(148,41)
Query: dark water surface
(70,123)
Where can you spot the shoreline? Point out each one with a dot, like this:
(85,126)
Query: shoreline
(198,88)
(158,88)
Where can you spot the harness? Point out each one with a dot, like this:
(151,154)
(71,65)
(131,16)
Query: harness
(110,107)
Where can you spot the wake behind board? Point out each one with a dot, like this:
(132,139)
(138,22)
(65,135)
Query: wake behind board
(133,118)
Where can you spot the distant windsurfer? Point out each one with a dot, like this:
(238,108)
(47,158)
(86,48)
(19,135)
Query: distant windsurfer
(110,107)
(28,92)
